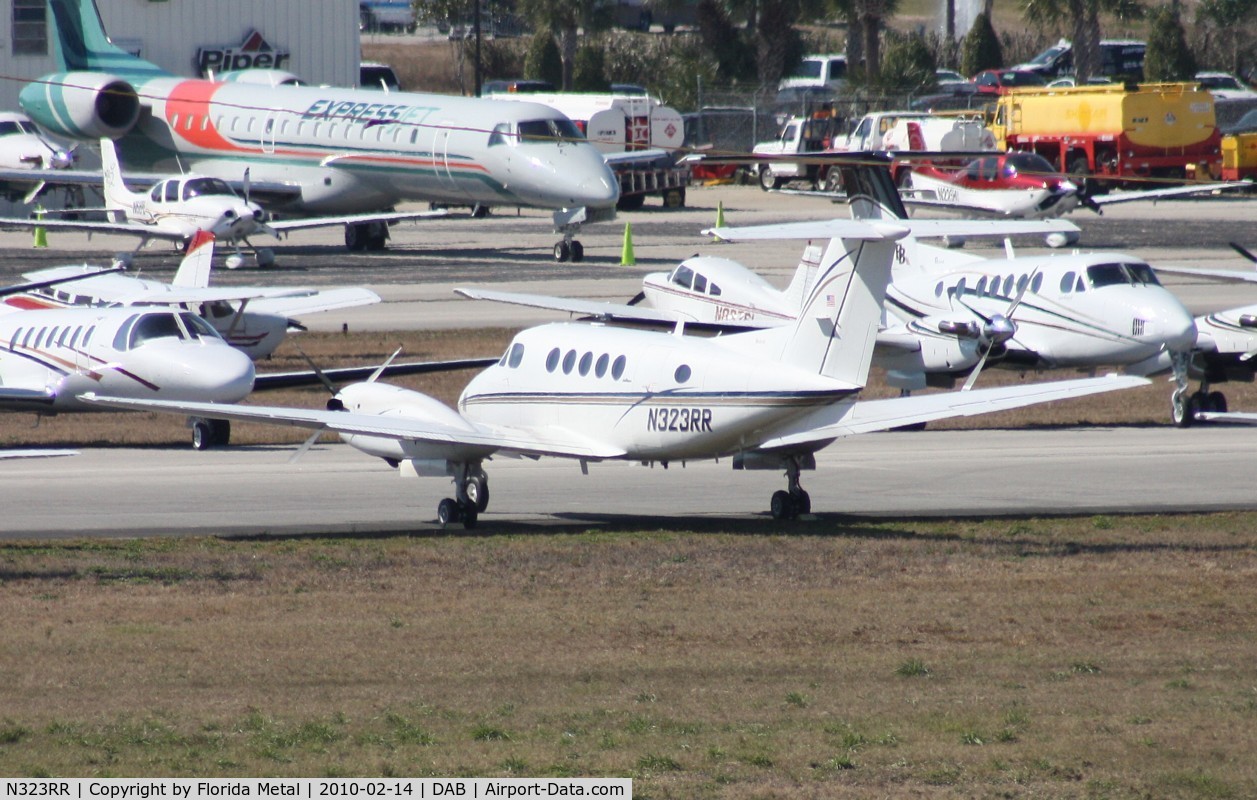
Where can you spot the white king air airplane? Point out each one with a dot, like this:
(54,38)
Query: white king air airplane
(766,399)
(253,319)
(317,150)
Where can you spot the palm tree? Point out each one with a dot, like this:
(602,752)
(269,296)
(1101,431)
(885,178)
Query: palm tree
(1084,18)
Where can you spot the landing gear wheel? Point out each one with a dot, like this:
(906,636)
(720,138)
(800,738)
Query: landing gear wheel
(1215,401)
(377,236)
(802,503)
(1179,411)
(477,490)
(234,261)
(562,252)
(479,211)
(782,505)
(356,237)
(202,436)
(265,257)
(469,516)
(447,511)
(578,251)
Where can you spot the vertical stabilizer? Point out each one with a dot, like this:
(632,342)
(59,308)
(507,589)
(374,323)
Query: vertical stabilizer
(118,198)
(194,269)
(83,46)
(804,276)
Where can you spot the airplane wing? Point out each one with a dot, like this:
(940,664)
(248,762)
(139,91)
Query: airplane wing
(1173,191)
(92,226)
(14,398)
(305,223)
(553,441)
(838,228)
(867,416)
(342,375)
(1244,417)
(601,311)
(315,300)
(1218,274)
(274,300)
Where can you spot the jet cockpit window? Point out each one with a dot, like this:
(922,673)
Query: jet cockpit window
(148,327)
(548,130)
(1027,164)
(198,328)
(10,128)
(700,283)
(713,290)
(196,187)
(1102,275)
(1142,273)
(500,135)
(172,192)
(683,277)
(1067,283)
(990,168)
(157,193)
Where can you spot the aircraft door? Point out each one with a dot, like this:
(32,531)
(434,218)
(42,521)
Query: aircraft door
(268,133)
(441,158)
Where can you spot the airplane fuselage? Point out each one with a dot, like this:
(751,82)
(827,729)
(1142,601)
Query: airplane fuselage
(353,151)
(57,354)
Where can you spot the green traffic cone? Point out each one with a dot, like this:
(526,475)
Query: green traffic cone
(720,219)
(627,259)
(41,233)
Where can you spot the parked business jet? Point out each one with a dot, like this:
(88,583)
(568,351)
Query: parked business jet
(178,207)
(253,319)
(766,399)
(24,153)
(319,150)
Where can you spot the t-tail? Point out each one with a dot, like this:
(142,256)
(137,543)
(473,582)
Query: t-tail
(94,93)
(83,45)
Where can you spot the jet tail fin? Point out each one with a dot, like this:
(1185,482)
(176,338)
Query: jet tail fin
(83,45)
(804,276)
(194,269)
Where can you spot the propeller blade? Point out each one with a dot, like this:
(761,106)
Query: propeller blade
(246,184)
(323,379)
(977,370)
(1244,252)
(640,296)
(375,375)
(1021,292)
(306,445)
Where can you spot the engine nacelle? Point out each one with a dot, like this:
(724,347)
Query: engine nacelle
(82,105)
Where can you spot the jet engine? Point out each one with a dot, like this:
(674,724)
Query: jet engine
(82,105)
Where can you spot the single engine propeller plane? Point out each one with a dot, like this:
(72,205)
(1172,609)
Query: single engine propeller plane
(766,399)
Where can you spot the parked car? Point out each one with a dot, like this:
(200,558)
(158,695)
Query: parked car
(1225,86)
(377,76)
(997,81)
(946,77)
(1245,124)
(1118,58)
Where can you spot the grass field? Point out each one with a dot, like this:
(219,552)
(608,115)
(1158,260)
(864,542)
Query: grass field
(1104,657)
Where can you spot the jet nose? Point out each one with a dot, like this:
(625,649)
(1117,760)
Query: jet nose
(1171,323)
(218,373)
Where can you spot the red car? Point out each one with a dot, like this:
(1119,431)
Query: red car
(997,81)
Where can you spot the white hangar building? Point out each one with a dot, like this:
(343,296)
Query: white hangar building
(317,40)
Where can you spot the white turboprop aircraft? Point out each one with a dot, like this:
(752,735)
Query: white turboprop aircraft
(946,311)
(179,207)
(766,399)
(319,150)
(252,319)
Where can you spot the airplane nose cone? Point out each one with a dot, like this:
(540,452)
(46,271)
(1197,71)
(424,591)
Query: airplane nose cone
(1169,322)
(217,373)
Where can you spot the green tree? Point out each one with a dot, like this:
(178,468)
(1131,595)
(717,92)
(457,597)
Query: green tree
(566,19)
(1083,17)
(908,64)
(980,49)
(1231,23)
(543,61)
(589,74)
(1168,57)
(724,41)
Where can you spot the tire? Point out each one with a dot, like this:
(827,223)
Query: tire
(1179,413)
(202,435)
(674,198)
(631,202)
(562,252)
(355,238)
(578,251)
(782,505)
(1216,401)
(447,511)
(469,517)
(220,432)
(802,503)
(477,490)
(766,179)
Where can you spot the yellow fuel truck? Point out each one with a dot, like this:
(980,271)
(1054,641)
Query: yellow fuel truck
(1118,132)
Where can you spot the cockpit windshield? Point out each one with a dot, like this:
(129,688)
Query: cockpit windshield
(144,328)
(11,127)
(1027,164)
(548,131)
(1113,274)
(195,187)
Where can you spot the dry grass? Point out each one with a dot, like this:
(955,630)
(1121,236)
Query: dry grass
(1089,657)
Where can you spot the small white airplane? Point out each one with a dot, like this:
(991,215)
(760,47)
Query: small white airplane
(321,150)
(253,319)
(178,207)
(766,399)
(946,312)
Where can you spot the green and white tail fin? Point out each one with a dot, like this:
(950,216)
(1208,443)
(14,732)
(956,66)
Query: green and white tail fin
(83,45)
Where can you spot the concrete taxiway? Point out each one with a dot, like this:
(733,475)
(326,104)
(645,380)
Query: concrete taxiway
(334,489)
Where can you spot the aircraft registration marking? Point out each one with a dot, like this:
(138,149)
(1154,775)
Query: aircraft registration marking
(678,419)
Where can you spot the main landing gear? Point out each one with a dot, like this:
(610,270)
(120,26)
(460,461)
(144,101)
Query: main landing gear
(569,249)
(1183,406)
(470,500)
(794,501)
(366,236)
(207,433)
